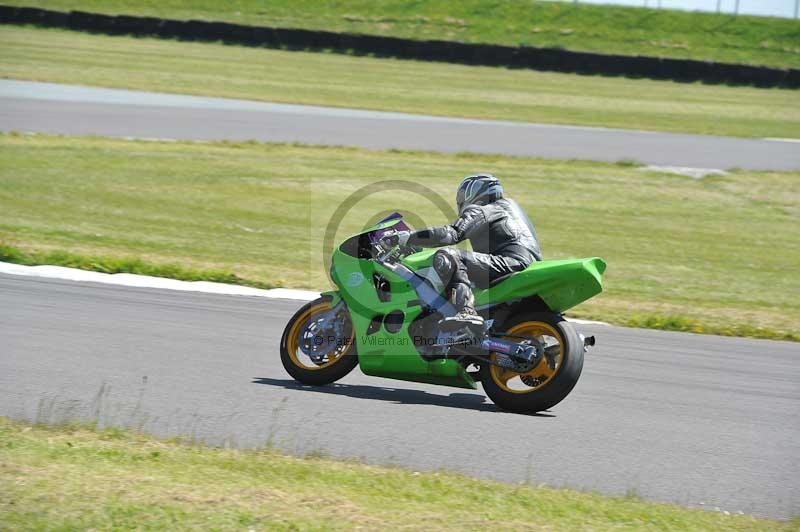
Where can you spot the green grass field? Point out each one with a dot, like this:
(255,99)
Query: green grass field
(607,29)
(712,255)
(410,86)
(71,478)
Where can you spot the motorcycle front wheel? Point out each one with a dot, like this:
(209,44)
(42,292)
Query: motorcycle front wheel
(552,379)
(307,328)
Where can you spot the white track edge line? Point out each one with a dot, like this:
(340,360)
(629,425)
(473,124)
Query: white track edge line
(146,281)
(781,139)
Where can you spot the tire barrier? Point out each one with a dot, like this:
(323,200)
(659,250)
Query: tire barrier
(526,57)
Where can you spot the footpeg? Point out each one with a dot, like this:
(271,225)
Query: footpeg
(452,324)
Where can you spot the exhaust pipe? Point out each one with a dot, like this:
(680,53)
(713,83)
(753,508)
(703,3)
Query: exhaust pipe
(520,352)
(588,341)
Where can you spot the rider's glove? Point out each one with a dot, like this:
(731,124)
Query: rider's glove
(402,237)
(399,238)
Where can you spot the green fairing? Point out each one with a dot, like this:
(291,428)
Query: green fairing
(561,284)
(385,354)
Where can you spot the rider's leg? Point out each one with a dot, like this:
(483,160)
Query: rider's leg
(483,269)
(453,272)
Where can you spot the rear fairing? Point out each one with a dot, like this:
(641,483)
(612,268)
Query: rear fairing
(561,284)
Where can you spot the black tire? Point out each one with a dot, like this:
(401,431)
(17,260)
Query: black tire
(315,377)
(560,384)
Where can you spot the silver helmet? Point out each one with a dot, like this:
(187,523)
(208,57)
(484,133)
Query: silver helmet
(478,189)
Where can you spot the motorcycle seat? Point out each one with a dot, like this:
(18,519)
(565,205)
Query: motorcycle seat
(497,280)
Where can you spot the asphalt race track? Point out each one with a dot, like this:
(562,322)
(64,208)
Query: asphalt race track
(702,421)
(64,109)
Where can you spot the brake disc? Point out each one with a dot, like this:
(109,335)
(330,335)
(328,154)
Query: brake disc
(321,335)
(530,380)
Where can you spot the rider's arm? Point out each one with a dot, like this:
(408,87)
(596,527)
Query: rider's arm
(471,218)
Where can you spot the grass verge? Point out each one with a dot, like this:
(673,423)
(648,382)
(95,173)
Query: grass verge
(70,478)
(711,255)
(126,265)
(608,29)
(681,323)
(387,84)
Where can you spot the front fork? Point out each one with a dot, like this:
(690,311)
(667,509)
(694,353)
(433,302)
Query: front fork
(335,296)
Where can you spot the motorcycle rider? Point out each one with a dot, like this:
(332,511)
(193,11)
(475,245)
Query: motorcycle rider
(503,240)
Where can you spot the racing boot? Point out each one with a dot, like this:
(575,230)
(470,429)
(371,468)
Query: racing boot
(466,317)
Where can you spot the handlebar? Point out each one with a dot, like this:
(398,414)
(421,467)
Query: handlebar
(394,252)
(387,255)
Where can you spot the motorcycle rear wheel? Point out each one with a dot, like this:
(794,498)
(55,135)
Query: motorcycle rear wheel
(302,368)
(550,381)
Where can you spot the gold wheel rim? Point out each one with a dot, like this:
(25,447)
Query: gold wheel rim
(297,329)
(542,373)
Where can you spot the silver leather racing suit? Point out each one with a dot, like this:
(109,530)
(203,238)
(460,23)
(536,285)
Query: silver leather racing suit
(503,240)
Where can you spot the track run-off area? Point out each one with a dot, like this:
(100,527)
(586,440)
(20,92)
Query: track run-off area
(75,110)
(702,421)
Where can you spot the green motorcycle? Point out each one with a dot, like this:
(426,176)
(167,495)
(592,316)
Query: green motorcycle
(385,318)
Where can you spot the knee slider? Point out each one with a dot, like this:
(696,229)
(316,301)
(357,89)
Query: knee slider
(444,263)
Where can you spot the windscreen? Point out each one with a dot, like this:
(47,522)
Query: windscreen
(375,236)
